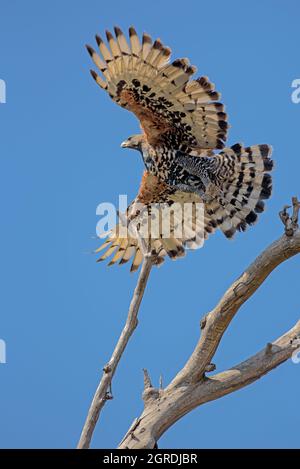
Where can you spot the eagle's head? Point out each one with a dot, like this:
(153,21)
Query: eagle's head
(135,142)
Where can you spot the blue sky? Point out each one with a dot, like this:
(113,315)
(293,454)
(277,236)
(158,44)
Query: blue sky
(61,313)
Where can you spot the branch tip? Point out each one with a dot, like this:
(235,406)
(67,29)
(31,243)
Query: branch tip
(296,207)
(160,382)
(147,380)
(290,222)
(150,393)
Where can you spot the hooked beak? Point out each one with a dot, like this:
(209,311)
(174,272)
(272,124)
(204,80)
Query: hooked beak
(125,144)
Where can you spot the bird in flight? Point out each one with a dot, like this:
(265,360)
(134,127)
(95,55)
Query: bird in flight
(182,123)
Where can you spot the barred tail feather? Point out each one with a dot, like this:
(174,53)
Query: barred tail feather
(242,175)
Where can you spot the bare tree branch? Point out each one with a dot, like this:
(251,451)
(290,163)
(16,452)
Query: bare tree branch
(191,388)
(258,365)
(219,318)
(176,401)
(103,392)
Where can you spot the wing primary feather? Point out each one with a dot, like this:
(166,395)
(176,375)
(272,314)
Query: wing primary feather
(98,80)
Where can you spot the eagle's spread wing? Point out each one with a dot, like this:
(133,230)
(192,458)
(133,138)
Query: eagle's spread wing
(172,108)
(155,204)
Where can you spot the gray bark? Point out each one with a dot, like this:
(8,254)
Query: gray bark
(191,387)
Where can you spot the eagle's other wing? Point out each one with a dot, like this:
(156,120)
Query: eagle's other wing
(167,220)
(172,109)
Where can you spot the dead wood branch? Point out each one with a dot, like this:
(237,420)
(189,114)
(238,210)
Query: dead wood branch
(103,392)
(191,387)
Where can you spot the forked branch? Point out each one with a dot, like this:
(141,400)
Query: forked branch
(191,388)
